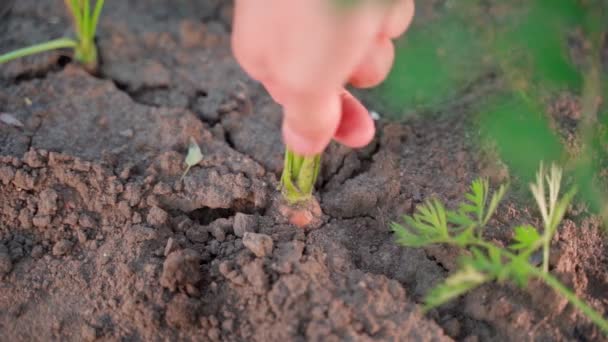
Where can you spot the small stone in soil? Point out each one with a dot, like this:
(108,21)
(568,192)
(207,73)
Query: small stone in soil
(62,247)
(259,244)
(127,133)
(244,223)
(218,233)
(197,234)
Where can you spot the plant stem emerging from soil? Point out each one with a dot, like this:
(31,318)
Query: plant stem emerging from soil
(299,176)
(85,26)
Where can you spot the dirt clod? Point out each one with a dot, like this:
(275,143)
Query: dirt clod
(258,244)
(62,247)
(244,223)
(157,217)
(47,205)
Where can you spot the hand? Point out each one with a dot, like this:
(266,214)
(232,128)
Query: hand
(305,51)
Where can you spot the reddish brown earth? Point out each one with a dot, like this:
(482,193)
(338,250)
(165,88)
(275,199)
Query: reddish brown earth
(99,239)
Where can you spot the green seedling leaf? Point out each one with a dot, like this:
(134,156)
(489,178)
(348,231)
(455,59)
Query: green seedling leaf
(526,237)
(428,225)
(455,285)
(496,198)
(558,212)
(476,206)
(460,219)
(477,197)
(55,44)
(193,157)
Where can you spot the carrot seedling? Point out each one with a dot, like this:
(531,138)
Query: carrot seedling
(86,18)
(193,157)
(434,224)
(299,176)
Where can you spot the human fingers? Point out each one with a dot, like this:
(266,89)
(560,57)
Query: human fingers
(356,128)
(309,123)
(375,66)
(399,18)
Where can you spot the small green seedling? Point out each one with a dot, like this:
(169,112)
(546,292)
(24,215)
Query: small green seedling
(434,224)
(193,157)
(299,176)
(85,24)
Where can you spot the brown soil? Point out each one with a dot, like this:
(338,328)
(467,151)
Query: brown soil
(99,239)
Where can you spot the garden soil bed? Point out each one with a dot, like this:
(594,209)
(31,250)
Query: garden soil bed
(100,240)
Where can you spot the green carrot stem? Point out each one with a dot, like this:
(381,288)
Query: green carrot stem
(95,19)
(299,176)
(86,21)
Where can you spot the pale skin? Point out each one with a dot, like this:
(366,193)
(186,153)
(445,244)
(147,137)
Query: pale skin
(304,52)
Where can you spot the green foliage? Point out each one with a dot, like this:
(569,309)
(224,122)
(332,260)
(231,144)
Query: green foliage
(86,20)
(455,285)
(299,176)
(531,43)
(537,49)
(432,223)
(485,262)
(521,133)
(524,237)
(432,62)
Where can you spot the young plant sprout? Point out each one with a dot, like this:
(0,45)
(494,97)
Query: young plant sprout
(434,224)
(299,176)
(193,157)
(85,19)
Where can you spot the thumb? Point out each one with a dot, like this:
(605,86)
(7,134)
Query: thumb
(309,125)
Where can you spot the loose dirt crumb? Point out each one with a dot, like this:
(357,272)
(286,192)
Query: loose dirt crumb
(259,244)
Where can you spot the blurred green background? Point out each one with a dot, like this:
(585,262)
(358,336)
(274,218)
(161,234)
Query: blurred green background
(537,72)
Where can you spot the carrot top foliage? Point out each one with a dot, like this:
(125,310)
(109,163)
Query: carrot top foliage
(486,262)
